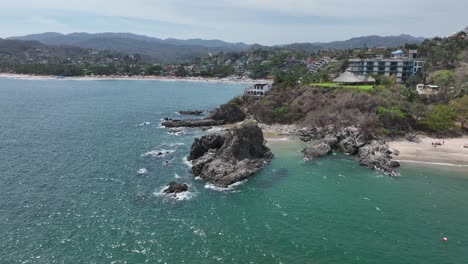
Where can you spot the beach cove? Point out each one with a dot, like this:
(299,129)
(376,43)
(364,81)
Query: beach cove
(80,182)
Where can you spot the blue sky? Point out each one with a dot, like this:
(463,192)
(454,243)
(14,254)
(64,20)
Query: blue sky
(251,21)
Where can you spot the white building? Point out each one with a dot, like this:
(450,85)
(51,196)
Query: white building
(427,89)
(258,89)
(401,65)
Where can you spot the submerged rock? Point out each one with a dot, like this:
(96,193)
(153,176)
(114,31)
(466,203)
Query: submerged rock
(317,151)
(175,187)
(226,159)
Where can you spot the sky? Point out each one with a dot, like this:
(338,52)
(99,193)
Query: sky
(267,22)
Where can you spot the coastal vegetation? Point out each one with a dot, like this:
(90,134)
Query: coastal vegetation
(385,109)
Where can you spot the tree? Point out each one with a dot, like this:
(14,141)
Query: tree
(439,119)
(461,110)
(442,78)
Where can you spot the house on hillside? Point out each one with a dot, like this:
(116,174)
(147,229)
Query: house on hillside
(349,78)
(258,89)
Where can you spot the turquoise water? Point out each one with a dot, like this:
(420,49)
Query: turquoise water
(70,191)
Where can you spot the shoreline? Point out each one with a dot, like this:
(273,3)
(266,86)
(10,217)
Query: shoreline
(450,154)
(129,78)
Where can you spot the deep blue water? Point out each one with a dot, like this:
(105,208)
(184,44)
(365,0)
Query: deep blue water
(70,191)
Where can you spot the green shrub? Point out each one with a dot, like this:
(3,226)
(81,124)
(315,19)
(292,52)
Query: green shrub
(439,119)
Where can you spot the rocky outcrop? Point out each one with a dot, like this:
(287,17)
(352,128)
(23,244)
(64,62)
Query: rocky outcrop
(378,155)
(411,137)
(202,145)
(317,151)
(350,141)
(192,112)
(175,187)
(192,123)
(226,159)
(225,114)
(228,113)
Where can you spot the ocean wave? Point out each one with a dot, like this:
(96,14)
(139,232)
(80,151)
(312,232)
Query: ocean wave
(144,124)
(186,162)
(182,196)
(224,189)
(172,145)
(142,171)
(216,129)
(158,153)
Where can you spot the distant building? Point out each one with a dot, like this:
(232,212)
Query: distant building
(349,78)
(258,89)
(401,65)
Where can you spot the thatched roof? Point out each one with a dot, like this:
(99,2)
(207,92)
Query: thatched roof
(349,77)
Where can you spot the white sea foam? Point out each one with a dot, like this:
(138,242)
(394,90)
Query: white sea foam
(216,129)
(183,196)
(144,124)
(142,171)
(278,139)
(224,189)
(186,162)
(158,153)
(176,144)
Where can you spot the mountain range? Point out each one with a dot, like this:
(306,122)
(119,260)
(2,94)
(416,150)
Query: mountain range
(359,42)
(170,50)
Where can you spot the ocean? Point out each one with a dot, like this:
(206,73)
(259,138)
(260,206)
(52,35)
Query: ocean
(81,180)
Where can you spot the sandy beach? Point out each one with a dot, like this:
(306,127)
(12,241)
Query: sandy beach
(131,78)
(451,153)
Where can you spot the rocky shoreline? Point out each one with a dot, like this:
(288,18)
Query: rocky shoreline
(231,156)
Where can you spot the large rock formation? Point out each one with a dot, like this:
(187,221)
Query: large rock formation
(351,141)
(226,159)
(229,113)
(377,155)
(317,151)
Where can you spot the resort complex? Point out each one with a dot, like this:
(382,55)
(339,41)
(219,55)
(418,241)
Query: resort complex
(401,65)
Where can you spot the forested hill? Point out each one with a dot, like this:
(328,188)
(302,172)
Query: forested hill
(168,50)
(177,50)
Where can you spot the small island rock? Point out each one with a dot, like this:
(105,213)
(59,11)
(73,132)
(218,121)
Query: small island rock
(175,187)
(226,159)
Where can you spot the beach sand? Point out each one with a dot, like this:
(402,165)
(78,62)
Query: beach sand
(451,153)
(132,78)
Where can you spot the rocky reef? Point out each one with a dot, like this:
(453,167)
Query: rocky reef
(371,153)
(225,114)
(191,112)
(175,187)
(224,159)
